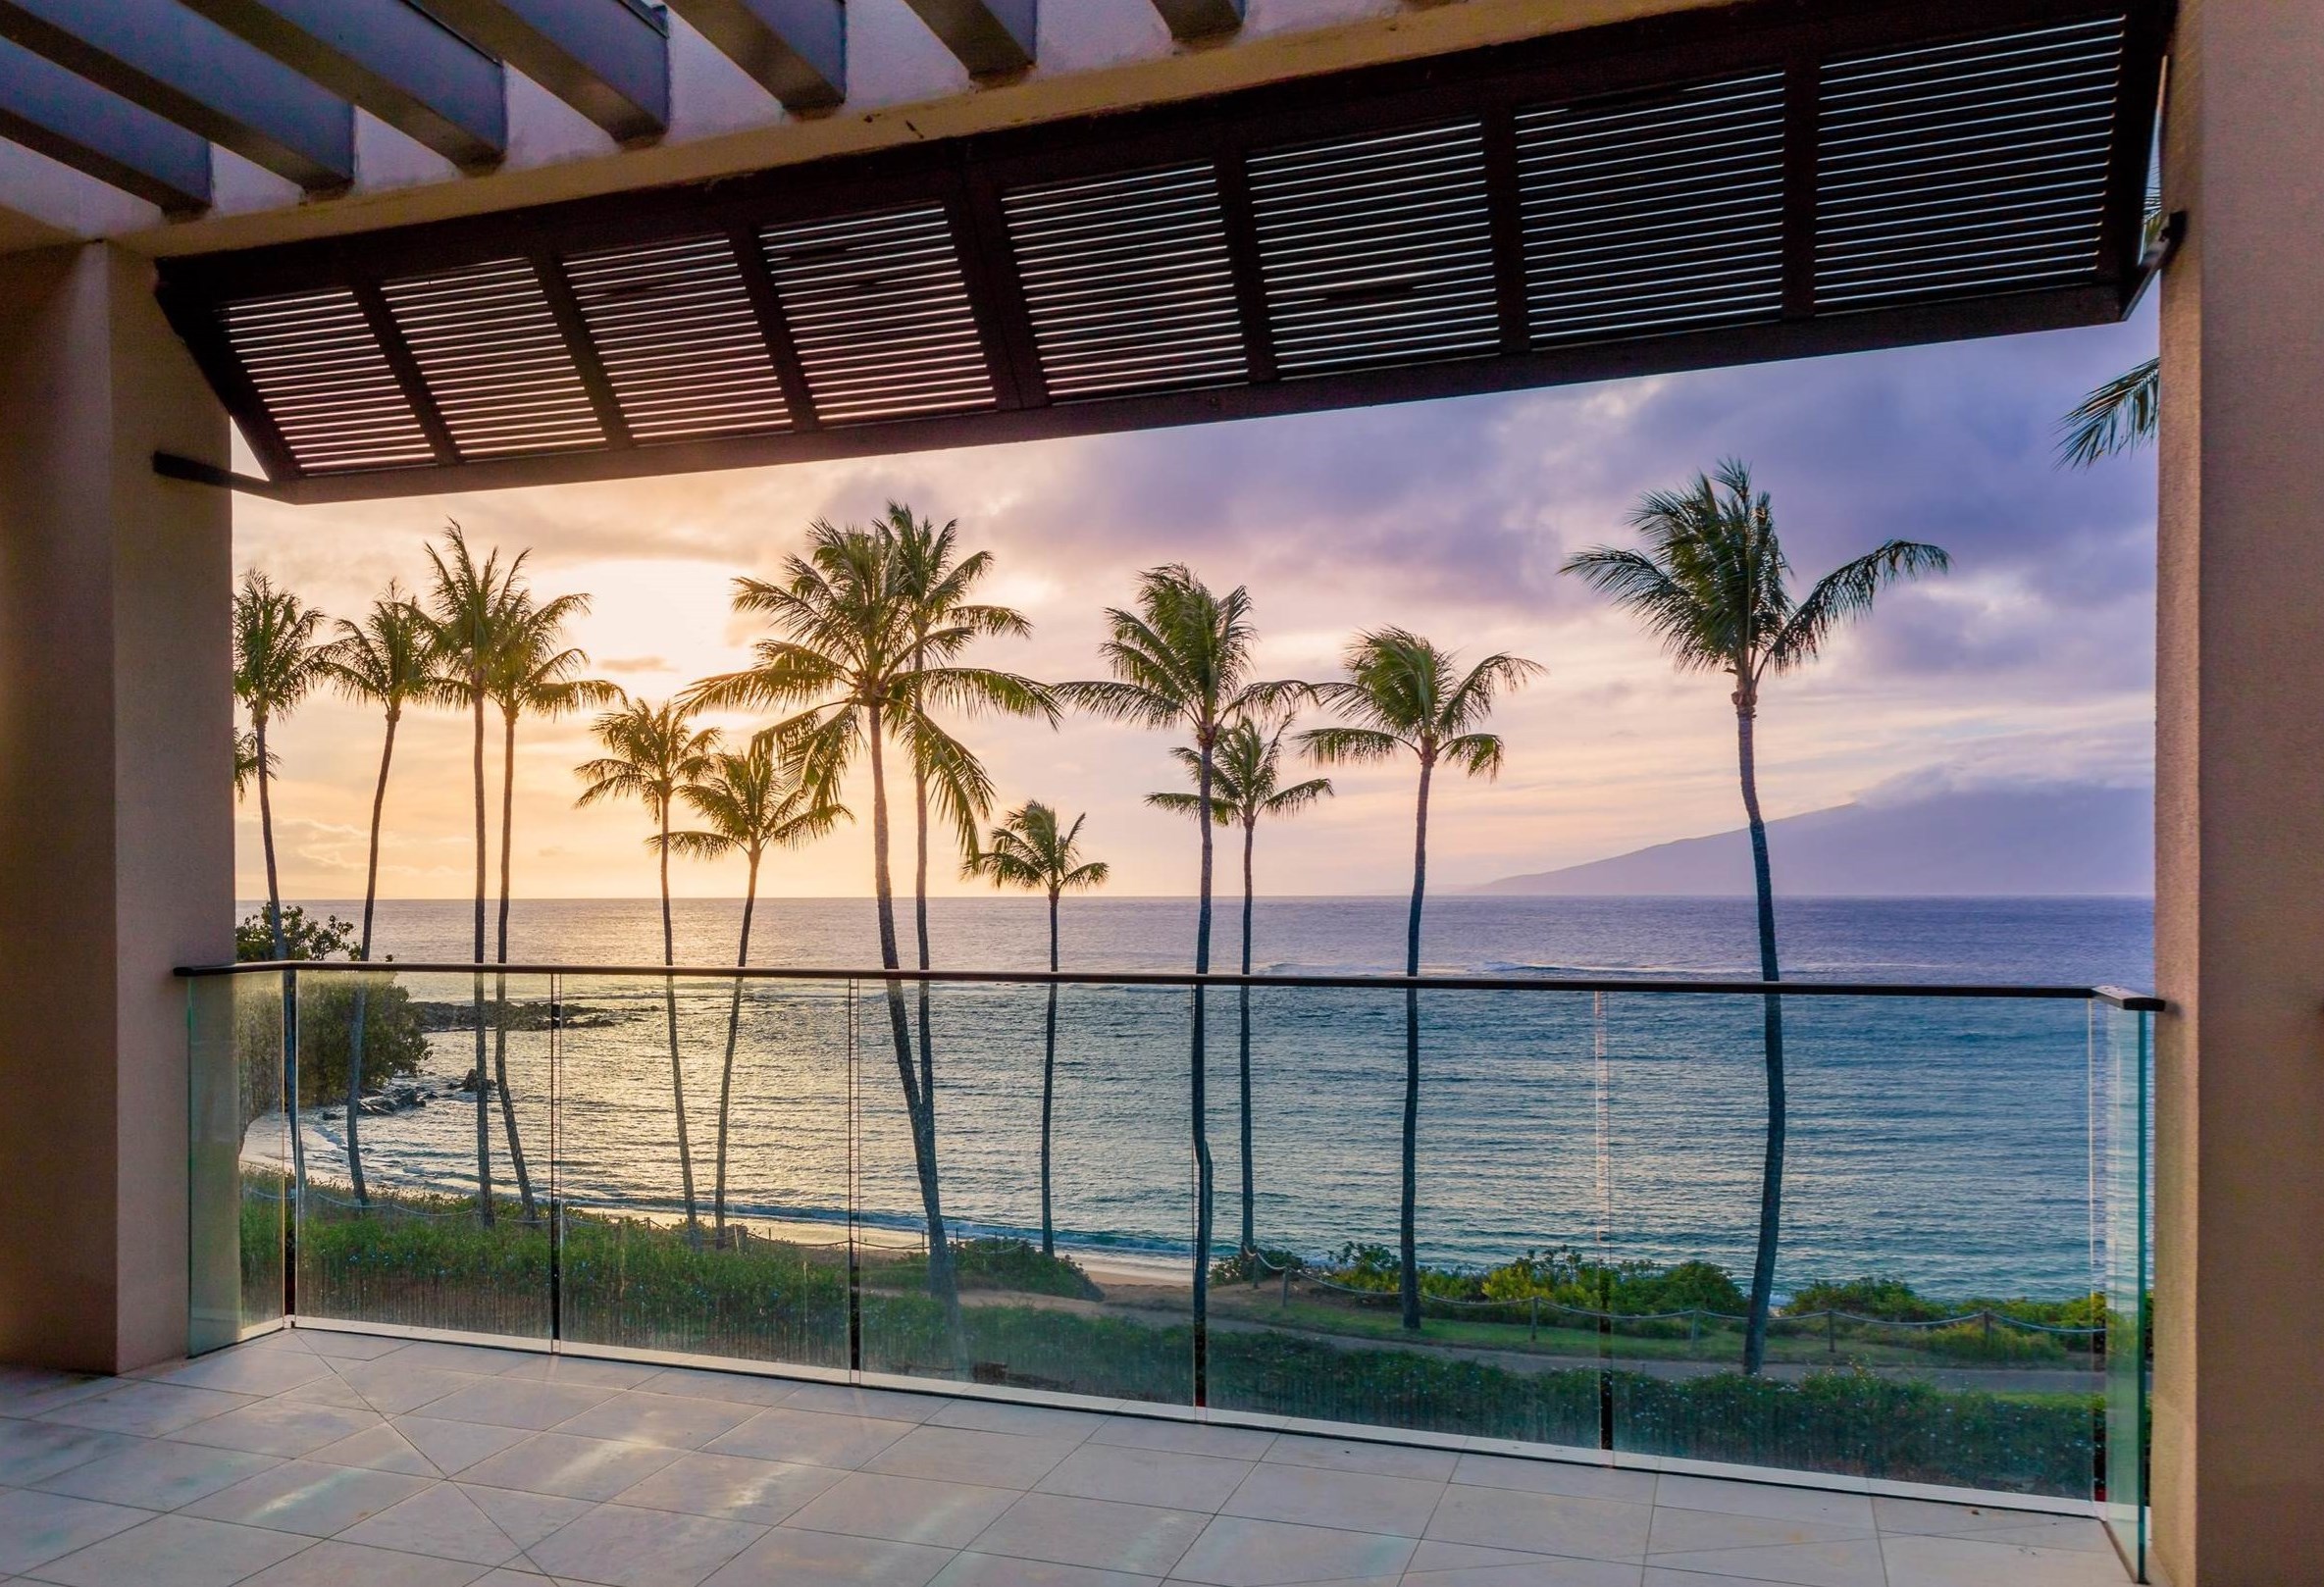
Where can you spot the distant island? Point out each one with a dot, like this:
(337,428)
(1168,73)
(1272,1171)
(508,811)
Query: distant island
(2025,841)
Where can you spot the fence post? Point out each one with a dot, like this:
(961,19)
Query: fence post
(1533,1328)
(1830,1332)
(1284,1302)
(1989,1319)
(1694,1326)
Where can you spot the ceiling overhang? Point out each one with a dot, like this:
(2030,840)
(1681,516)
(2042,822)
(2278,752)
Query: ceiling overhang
(1754,181)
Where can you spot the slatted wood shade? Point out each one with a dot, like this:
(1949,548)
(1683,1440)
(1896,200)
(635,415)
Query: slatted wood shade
(1752,182)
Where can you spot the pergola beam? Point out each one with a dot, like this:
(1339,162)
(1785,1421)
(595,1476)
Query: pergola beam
(99,133)
(389,57)
(988,37)
(608,59)
(795,50)
(194,72)
(1201,18)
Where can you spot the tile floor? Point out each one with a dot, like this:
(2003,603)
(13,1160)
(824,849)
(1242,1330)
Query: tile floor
(310,1458)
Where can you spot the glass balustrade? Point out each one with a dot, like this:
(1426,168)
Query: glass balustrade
(723,1168)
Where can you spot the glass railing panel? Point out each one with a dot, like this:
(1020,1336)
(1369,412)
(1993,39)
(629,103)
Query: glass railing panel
(2123,1055)
(239,1157)
(393,1225)
(1932,1318)
(1107,1311)
(728,1238)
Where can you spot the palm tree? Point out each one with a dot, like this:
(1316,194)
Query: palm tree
(2123,412)
(1248,785)
(471,607)
(385,660)
(1404,695)
(1183,659)
(1713,587)
(246,762)
(651,752)
(749,804)
(278,662)
(530,669)
(1028,850)
(934,588)
(854,669)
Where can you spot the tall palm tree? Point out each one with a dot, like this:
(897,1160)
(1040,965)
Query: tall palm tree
(853,670)
(651,752)
(279,661)
(1405,696)
(385,660)
(936,583)
(246,762)
(749,804)
(533,670)
(471,606)
(1183,659)
(1712,586)
(1029,850)
(1249,776)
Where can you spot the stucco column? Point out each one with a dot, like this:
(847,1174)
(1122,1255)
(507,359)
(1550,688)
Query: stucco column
(2239,1423)
(116,807)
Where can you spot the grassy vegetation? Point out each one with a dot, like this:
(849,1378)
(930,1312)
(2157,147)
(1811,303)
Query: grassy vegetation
(426,1261)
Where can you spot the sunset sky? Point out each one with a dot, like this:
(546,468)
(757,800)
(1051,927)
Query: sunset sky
(2033,662)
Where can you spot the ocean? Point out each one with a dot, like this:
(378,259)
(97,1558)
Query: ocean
(1947,1142)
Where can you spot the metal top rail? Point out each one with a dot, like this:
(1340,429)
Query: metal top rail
(2114,997)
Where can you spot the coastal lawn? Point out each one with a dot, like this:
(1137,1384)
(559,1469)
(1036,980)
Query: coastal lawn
(1032,1322)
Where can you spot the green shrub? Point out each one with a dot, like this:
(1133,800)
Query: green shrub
(994,1262)
(1890,1300)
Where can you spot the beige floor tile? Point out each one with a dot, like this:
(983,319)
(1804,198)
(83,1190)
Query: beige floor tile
(1542,1523)
(27,1390)
(733,1487)
(277,1428)
(1970,1561)
(476,1359)
(32,1451)
(1146,1476)
(569,1468)
(670,1420)
(1351,1501)
(175,1551)
(37,1527)
(146,1409)
(452,1446)
(517,1402)
(905,1509)
(1035,1421)
(335,1345)
(1183,1437)
(789,1558)
(1532,1570)
(885,1405)
(308,1497)
(1929,1516)
(1574,1480)
(328,1390)
(732,1388)
(1765,1499)
(350,1564)
(1235,1551)
(526,1518)
(965,1454)
(395,1388)
(1679,1531)
(1848,1562)
(2078,1535)
(626,1547)
(441,1522)
(583,1370)
(246,1372)
(811,1438)
(159,1474)
(1372,1460)
(994,1570)
(378,1449)
(1094,1532)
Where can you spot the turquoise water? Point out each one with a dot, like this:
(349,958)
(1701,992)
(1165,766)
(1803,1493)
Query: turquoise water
(1947,1142)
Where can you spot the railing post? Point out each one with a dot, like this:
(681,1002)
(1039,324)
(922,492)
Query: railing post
(1534,1327)
(1830,1332)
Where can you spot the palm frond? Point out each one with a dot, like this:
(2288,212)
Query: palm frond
(1349,747)
(1845,592)
(2116,416)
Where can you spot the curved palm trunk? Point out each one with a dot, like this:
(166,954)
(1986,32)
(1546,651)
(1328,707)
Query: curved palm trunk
(920,932)
(726,1075)
(694,1227)
(1771,1175)
(355,1035)
(274,921)
(1049,1080)
(941,1283)
(484,1125)
(516,1145)
(1197,1097)
(1243,1018)
(1409,1279)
